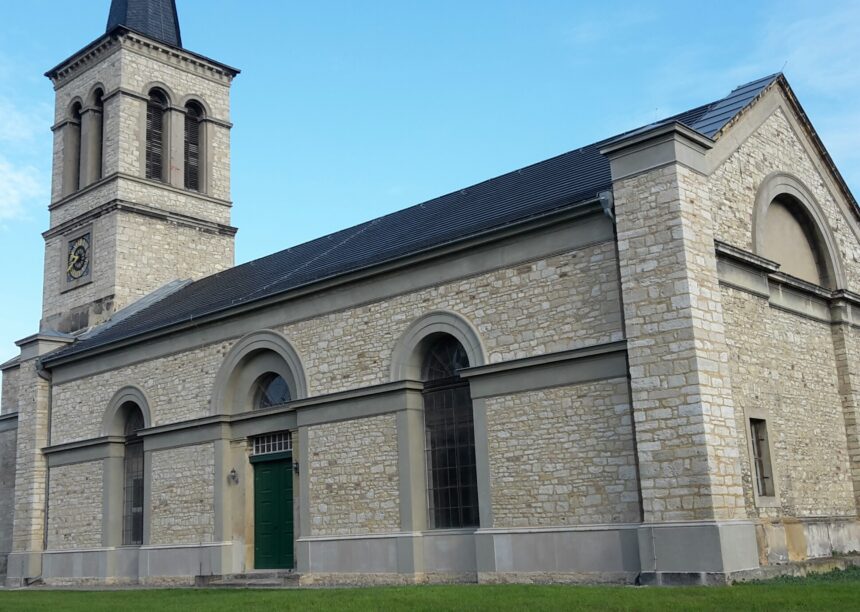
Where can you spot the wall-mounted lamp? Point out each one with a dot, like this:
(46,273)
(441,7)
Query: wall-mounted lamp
(296,467)
(233,476)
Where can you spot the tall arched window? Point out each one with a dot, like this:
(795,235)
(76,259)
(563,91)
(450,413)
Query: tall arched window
(156,135)
(193,146)
(449,437)
(132,509)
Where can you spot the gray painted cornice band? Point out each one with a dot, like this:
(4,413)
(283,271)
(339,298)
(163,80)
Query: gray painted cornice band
(761,277)
(600,362)
(137,179)
(157,213)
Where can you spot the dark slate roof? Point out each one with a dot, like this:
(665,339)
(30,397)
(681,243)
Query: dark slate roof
(574,177)
(157,19)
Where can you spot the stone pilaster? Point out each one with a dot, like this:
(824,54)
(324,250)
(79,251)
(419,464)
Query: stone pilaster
(34,397)
(687,442)
(846,344)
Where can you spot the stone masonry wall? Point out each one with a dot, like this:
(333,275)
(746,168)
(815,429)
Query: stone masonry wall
(563,456)
(535,308)
(563,302)
(685,422)
(775,147)
(151,253)
(183,495)
(31,469)
(785,364)
(353,477)
(104,247)
(9,397)
(846,345)
(75,506)
(8,450)
(178,388)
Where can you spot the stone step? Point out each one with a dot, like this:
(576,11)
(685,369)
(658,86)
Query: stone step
(252,580)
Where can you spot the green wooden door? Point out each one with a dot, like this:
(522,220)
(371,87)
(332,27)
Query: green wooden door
(273,511)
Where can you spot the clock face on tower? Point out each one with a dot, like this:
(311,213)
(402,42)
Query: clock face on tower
(78,258)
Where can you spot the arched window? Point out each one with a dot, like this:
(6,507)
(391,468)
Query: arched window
(449,437)
(193,146)
(271,390)
(72,151)
(132,508)
(156,135)
(790,240)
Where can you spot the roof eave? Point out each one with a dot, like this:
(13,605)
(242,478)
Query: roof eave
(120,29)
(573,209)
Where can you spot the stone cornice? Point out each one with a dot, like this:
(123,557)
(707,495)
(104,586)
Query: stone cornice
(122,37)
(750,273)
(576,366)
(143,181)
(140,209)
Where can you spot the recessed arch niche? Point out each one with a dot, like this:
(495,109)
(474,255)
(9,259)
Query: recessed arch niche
(790,228)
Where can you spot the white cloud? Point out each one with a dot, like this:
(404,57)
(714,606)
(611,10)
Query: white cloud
(20,126)
(18,186)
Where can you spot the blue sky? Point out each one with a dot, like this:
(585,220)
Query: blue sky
(348,110)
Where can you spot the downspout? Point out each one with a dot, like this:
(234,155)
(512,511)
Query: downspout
(607,201)
(45,375)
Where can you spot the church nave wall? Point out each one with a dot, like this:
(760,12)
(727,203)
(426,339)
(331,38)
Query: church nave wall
(353,477)
(563,456)
(783,371)
(183,495)
(75,506)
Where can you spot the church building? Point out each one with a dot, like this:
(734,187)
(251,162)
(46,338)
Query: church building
(635,362)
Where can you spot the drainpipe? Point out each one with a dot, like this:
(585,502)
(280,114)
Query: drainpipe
(45,375)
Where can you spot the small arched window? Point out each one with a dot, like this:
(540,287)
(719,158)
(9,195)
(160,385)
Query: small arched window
(449,433)
(193,146)
(271,390)
(156,135)
(132,509)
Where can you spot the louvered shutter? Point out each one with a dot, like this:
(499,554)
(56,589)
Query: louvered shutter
(192,148)
(154,140)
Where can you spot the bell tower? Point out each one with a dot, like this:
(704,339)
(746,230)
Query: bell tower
(140,190)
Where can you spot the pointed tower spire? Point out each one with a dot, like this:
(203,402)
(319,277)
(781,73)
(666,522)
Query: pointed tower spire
(156,19)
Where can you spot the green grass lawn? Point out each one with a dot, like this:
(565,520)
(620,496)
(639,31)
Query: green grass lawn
(833,591)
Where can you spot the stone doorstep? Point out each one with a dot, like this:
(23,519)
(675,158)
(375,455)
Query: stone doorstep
(263,579)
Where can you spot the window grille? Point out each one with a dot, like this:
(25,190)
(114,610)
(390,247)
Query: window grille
(132,515)
(193,127)
(155,136)
(280,442)
(452,481)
